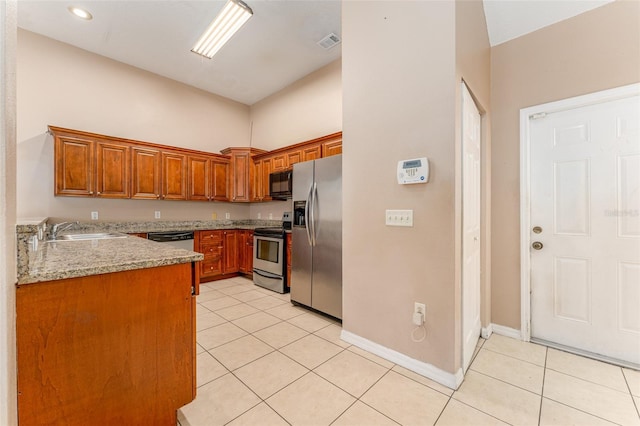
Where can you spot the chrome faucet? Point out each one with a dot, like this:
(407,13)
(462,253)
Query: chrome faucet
(58,227)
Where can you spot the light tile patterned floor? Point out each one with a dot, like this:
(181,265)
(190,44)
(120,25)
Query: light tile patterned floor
(262,361)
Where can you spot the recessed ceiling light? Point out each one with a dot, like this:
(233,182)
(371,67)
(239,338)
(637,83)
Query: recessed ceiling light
(234,14)
(80,13)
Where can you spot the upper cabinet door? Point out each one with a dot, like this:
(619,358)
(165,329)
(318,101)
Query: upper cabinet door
(332,148)
(145,173)
(279,162)
(199,171)
(112,164)
(220,179)
(294,157)
(74,166)
(174,176)
(311,153)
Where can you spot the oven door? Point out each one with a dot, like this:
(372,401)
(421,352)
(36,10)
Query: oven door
(268,254)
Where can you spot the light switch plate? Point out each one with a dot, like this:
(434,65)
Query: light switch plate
(399,217)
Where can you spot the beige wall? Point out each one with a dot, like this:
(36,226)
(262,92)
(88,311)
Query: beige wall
(68,87)
(8,385)
(307,109)
(597,50)
(398,103)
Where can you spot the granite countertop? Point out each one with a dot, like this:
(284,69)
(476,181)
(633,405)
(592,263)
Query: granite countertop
(55,260)
(47,260)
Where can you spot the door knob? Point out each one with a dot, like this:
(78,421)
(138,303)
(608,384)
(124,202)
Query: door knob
(537,245)
(537,229)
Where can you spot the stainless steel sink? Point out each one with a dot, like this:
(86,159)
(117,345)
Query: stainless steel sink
(85,237)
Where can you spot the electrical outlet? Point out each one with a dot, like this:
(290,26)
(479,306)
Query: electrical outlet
(157,214)
(227,215)
(259,215)
(270,215)
(94,215)
(419,313)
(399,217)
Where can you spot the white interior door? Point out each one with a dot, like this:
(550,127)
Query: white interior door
(471,196)
(585,228)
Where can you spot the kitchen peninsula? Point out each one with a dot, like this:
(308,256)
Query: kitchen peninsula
(105,330)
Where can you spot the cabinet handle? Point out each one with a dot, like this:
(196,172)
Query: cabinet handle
(90,192)
(158,196)
(219,247)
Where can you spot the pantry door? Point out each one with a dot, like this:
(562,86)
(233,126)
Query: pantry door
(471,196)
(584,235)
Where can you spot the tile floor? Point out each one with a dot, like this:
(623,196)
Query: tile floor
(262,361)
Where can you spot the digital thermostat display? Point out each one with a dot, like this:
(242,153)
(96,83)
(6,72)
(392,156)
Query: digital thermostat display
(410,164)
(415,170)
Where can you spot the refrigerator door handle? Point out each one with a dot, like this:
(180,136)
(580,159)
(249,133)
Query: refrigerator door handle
(307,209)
(314,200)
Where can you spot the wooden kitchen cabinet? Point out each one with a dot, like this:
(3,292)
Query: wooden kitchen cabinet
(210,244)
(279,162)
(311,153)
(332,147)
(198,172)
(220,179)
(262,170)
(112,166)
(294,157)
(241,172)
(174,176)
(74,166)
(230,252)
(208,178)
(89,167)
(106,349)
(245,251)
(220,250)
(146,168)
(158,174)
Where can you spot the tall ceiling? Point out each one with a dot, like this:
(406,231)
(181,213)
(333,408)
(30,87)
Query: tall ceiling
(275,48)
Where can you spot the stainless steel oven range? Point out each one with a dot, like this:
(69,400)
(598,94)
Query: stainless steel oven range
(269,259)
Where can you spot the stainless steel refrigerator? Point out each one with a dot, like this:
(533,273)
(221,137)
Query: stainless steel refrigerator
(316,264)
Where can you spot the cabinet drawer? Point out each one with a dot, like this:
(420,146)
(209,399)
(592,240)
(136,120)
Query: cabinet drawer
(210,237)
(211,249)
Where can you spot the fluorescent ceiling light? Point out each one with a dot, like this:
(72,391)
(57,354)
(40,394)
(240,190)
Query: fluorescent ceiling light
(233,16)
(80,13)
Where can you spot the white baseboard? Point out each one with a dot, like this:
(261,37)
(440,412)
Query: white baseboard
(487,331)
(445,378)
(506,331)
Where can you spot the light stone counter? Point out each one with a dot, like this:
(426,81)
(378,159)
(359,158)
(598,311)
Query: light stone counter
(69,259)
(46,260)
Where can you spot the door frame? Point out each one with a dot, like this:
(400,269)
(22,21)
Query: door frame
(525,182)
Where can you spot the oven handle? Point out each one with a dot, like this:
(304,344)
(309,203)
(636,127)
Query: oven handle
(314,200)
(272,276)
(307,208)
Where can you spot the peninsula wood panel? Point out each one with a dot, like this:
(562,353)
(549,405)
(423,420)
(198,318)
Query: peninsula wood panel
(106,349)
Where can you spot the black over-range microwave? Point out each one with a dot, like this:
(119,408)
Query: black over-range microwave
(281,185)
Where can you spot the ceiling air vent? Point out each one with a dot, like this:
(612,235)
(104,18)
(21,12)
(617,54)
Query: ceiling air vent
(329,41)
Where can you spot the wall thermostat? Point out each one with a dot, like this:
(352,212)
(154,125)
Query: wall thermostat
(413,171)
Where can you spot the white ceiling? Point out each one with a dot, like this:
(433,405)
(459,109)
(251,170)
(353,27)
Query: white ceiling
(275,48)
